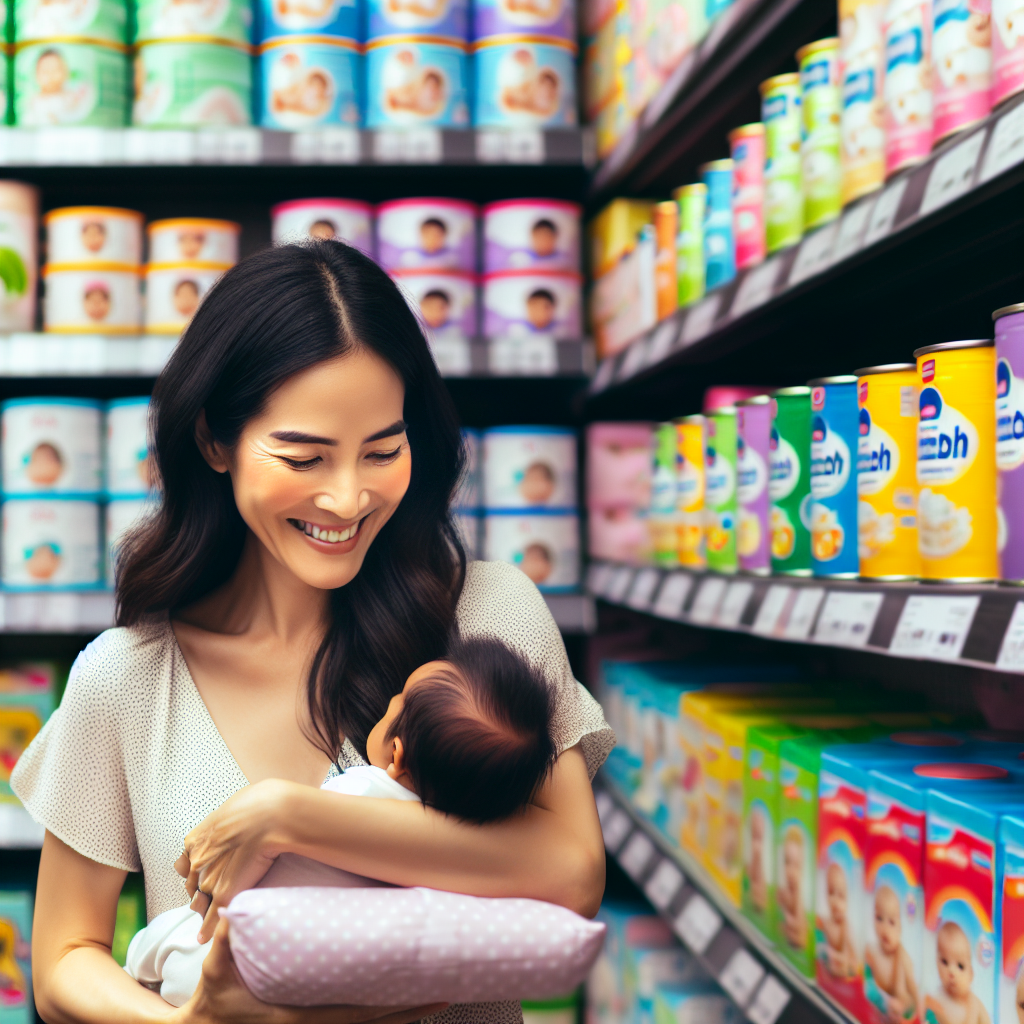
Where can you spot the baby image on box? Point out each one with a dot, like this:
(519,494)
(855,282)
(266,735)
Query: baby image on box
(836,917)
(958,940)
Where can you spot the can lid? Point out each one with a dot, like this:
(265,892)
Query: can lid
(842,378)
(746,130)
(960,770)
(800,389)
(722,410)
(832,43)
(947,346)
(715,165)
(754,400)
(695,417)
(665,207)
(885,368)
(792,78)
(698,188)
(91,211)
(204,223)
(1017,307)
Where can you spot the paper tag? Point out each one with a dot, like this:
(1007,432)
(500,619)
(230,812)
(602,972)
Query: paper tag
(801,618)
(532,356)
(756,288)
(604,375)
(408,146)
(636,855)
(642,590)
(883,213)
(701,318)
(847,618)
(618,585)
(1005,145)
(662,340)
(934,626)
(708,598)
(605,805)
(510,146)
(771,999)
(326,146)
(851,230)
(772,606)
(663,885)
(815,254)
(598,576)
(633,361)
(616,828)
(740,976)
(674,590)
(452,356)
(1011,651)
(698,924)
(730,611)
(240,146)
(952,174)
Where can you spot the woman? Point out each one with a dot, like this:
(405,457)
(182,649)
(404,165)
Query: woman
(302,563)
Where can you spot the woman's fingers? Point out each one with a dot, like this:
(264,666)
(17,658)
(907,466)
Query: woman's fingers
(183,865)
(211,920)
(200,903)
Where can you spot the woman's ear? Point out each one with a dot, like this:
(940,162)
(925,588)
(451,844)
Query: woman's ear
(208,447)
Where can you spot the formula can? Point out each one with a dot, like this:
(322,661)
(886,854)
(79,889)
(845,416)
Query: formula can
(529,467)
(666,287)
(553,18)
(747,147)
(523,303)
(834,437)
(720,502)
(618,465)
(862,61)
(444,19)
(820,106)
(130,472)
(309,81)
(71,83)
(690,491)
(783,200)
(51,446)
(531,234)
(719,248)
(1007,51)
(692,201)
(1010,439)
(51,543)
(337,18)
(962,52)
(662,512)
(956,461)
(228,20)
(344,220)
(416,81)
(19,230)
(427,234)
(907,90)
(753,528)
(174,291)
(789,481)
(887,472)
(103,20)
(545,546)
(186,239)
(122,516)
(102,234)
(101,298)
(444,300)
(524,81)
(468,495)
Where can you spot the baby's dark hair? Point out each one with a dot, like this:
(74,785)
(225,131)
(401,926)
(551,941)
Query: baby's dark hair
(477,741)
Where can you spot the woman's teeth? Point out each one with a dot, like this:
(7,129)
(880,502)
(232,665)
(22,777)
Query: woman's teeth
(322,533)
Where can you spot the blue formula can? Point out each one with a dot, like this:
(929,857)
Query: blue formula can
(525,81)
(835,435)
(413,82)
(277,18)
(448,19)
(308,81)
(552,18)
(719,244)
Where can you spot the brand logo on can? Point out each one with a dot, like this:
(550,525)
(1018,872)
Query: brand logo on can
(1009,417)
(862,392)
(783,465)
(928,371)
(818,399)
(947,441)
(878,456)
(830,460)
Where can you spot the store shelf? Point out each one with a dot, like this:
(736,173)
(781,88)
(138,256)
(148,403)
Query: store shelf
(762,983)
(976,626)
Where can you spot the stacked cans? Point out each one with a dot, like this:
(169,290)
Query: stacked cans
(618,490)
(310,68)
(187,256)
(92,271)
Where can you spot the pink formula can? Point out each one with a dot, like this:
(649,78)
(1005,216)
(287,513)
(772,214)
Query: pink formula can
(345,220)
(907,88)
(427,234)
(618,465)
(1007,50)
(962,52)
(723,395)
(753,529)
(747,148)
(540,234)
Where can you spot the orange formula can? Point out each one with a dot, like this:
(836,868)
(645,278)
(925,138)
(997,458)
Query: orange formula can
(666,288)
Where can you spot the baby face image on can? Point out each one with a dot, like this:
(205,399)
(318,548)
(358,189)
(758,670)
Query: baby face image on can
(230,20)
(129,466)
(504,17)
(529,468)
(447,19)
(445,301)
(106,20)
(51,542)
(416,81)
(427,234)
(536,234)
(174,291)
(309,82)
(346,220)
(300,17)
(545,547)
(192,239)
(79,234)
(525,303)
(525,80)
(104,299)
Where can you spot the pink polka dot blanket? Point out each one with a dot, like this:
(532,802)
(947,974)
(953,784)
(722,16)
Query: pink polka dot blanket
(315,946)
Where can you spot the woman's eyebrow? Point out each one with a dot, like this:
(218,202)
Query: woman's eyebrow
(298,437)
(397,427)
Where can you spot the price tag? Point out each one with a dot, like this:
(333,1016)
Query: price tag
(740,976)
(663,885)
(662,340)
(604,375)
(616,828)
(815,254)
(326,146)
(636,855)
(847,618)
(408,146)
(883,213)
(730,611)
(801,618)
(452,355)
(1006,144)
(952,174)
(70,146)
(934,626)
(701,318)
(633,361)
(698,924)
(1011,651)
(756,288)
(533,356)
(642,590)
(510,146)
(605,805)
(771,999)
(851,229)
(618,585)
(708,598)
(771,609)
(672,596)
(598,576)
(240,146)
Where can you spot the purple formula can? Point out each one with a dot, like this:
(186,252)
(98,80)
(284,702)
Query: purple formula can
(515,17)
(535,234)
(753,532)
(524,303)
(427,234)
(444,299)
(1010,439)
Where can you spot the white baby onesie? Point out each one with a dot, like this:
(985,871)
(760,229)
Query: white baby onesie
(166,956)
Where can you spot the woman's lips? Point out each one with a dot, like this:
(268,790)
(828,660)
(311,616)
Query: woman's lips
(328,534)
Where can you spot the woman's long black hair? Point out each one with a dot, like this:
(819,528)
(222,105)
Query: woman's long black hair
(274,314)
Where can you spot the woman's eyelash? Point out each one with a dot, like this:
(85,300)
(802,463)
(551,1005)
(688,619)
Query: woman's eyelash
(300,463)
(386,456)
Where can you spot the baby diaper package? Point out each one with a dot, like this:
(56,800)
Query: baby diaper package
(1010,953)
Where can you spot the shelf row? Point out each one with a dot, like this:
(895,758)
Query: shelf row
(977,626)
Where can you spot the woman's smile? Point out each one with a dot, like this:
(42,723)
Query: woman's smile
(341,540)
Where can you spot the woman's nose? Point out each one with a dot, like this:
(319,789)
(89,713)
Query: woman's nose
(344,496)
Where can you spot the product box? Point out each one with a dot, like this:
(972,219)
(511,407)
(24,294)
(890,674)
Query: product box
(16,1003)
(613,232)
(1010,953)
(22,715)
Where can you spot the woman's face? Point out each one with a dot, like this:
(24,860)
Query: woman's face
(323,467)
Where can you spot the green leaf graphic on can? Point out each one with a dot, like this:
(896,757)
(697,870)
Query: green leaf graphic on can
(13,272)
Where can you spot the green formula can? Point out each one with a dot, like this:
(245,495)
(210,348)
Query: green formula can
(188,83)
(692,200)
(60,82)
(95,20)
(720,499)
(783,197)
(820,106)
(789,481)
(227,20)
(663,516)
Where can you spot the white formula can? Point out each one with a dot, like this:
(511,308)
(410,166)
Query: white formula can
(193,240)
(122,515)
(529,467)
(468,525)
(19,231)
(467,497)
(51,543)
(345,220)
(523,303)
(51,446)
(444,300)
(129,468)
(93,234)
(100,299)
(535,234)
(545,546)
(174,291)
(427,234)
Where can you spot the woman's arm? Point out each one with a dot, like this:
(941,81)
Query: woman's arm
(553,851)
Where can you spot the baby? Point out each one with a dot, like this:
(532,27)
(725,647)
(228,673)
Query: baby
(840,951)
(788,894)
(956,1003)
(755,868)
(889,965)
(468,735)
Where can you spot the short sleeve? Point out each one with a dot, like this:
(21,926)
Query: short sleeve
(500,601)
(72,778)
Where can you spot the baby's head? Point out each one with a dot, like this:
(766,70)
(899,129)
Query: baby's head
(835,880)
(953,952)
(469,734)
(888,924)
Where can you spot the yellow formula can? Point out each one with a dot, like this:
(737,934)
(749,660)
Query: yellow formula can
(690,490)
(887,472)
(956,461)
